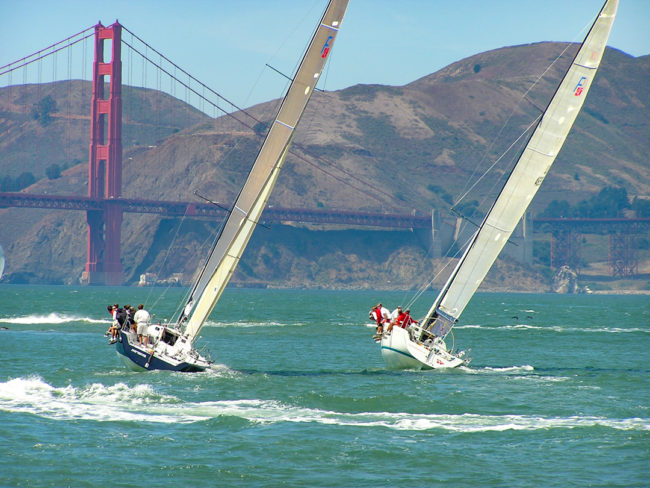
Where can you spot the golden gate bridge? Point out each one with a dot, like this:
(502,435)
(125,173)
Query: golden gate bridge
(104,204)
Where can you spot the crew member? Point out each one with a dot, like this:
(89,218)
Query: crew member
(142,319)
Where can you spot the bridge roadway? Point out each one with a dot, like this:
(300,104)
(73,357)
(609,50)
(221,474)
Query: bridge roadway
(198,209)
(316,216)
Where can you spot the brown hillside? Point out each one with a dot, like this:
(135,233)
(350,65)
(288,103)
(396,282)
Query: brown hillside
(366,147)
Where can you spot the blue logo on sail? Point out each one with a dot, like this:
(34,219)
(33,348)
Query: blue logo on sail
(577,91)
(326,47)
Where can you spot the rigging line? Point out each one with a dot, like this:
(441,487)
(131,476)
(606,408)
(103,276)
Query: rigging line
(343,181)
(289,78)
(26,63)
(229,211)
(322,160)
(537,122)
(477,225)
(429,283)
(465,221)
(410,302)
(202,270)
(295,26)
(231,115)
(524,96)
(68,130)
(169,248)
(162,295)
(209,241)
(390,196)
(532,124)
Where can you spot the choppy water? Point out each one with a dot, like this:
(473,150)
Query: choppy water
(557,394)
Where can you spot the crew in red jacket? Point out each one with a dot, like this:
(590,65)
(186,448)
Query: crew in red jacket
(380,314)
(403,320)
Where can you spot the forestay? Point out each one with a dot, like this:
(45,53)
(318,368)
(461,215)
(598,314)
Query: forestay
(527,176)
(255,193)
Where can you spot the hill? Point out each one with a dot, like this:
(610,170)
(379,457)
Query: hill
(369,147)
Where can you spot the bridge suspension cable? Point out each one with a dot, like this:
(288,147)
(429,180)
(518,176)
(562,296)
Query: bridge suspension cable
(48,51)
(210,97)
(366,187)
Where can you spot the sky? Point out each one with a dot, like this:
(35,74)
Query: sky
(226,44)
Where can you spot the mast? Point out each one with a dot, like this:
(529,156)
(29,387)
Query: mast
(526,177)
(253,196)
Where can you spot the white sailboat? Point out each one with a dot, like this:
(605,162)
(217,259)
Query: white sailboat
(173,347)
(422,346)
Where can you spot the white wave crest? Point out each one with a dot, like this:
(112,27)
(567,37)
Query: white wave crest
(98,402)
(554,328)
(504,369)
(244,324)
(141,403)
(51,318)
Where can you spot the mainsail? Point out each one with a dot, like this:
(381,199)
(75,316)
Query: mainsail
(253,196)
(525,179)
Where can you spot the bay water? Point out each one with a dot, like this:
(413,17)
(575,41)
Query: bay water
(557,394)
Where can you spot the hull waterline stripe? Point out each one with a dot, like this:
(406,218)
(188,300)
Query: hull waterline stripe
(399,352)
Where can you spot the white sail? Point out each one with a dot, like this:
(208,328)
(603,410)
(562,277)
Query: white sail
(527,176)
(256,191)
(2,261)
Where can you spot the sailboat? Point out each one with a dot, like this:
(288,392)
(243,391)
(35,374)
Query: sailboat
(422,346)
(172,347)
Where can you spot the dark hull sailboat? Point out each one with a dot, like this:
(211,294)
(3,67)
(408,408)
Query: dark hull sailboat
(172,347)
(168,352)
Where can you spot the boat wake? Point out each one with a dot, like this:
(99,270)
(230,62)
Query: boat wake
(142,403)
(505,369)
(52,318)
(244,324)
(554,328)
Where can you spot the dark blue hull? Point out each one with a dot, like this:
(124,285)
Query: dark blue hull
(142,359)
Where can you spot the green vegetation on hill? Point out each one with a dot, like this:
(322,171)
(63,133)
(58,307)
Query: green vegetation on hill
(610,202)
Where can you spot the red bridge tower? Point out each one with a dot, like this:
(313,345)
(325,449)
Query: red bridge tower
(103,266)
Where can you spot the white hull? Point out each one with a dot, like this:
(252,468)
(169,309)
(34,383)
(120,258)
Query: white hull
(401,352)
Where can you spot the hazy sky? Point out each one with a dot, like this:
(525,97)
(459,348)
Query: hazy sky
(226,44)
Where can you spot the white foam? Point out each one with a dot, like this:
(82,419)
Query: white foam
(504,369)
(555,328)
(51,318)
(94,402)
(142,403)
(243,324)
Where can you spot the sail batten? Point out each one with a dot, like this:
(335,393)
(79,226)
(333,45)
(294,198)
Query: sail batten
(527,176)
(286,125)
(256,191)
